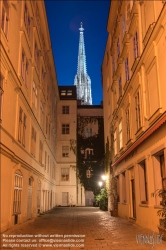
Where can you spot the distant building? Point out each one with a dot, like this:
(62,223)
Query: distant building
(68,190)
(90,145)
(82,81)
(135,106)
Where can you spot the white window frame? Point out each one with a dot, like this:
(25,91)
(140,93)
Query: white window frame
(18,180)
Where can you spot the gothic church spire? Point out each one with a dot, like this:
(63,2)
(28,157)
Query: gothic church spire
(82,80)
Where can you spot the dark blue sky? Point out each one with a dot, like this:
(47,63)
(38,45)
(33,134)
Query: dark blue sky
(64,19)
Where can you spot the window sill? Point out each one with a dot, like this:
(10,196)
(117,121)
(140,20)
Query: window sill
(143,205)
(158,206)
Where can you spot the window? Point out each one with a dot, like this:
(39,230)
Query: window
(20,124)
(43,74)
(66,92)
(137,108)
(65,109)
(38,196)
(123,187)
(136,45)
(118,47)
(5,18)
(37,55)
(120,135)
(120,87)
(27,20)
(33,142)
(88,132)
(163,170)
(65,129)
(34,95)
(64,174)
(65,151)
(143,182)
(41,114)
(115,143)
(48,164)
(24,129)
(127,69)
(128,124)
(1,93)
(17,192)
(24,68)
(88,153)
(45,165)
(124,25)
(128,14)
(40,151)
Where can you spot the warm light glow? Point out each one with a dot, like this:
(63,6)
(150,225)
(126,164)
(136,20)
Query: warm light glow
(100,183)
(104,177)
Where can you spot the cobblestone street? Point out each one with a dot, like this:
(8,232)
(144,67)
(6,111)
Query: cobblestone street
(97,228)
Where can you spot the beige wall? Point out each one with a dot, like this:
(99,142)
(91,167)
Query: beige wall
(135,107)
(19,155)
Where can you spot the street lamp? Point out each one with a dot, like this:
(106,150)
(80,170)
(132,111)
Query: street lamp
(100,183)
(104,177)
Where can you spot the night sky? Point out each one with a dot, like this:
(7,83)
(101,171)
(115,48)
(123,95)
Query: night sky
(64,19)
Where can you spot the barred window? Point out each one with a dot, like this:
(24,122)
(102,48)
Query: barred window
(17,192)
(65,128)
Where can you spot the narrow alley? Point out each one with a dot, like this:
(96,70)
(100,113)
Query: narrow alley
(86,228)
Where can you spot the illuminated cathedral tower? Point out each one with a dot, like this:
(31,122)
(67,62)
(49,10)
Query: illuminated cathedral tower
(82,80)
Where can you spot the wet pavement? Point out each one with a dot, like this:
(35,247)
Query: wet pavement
(85,228)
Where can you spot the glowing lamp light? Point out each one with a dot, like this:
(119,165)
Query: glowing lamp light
(100,183)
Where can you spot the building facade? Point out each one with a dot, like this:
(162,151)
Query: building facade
(66,182)
(135,105)
(90,147)
(28,103)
